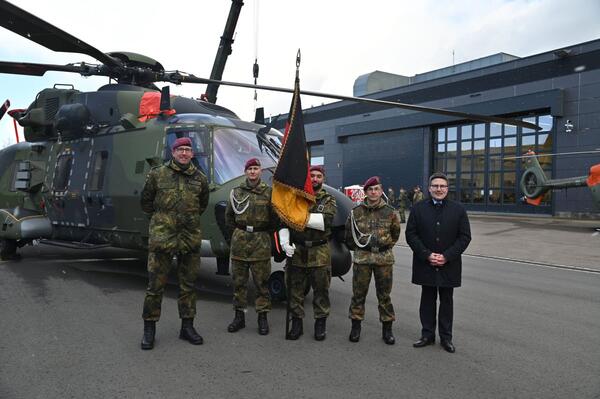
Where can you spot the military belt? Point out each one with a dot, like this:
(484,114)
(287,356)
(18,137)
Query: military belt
(251,229)
(311,244)
(376,250)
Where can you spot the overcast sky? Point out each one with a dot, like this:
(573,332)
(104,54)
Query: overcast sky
(339,40)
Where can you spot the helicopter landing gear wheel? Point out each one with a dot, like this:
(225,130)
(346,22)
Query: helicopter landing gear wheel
(8,249)
(276,285)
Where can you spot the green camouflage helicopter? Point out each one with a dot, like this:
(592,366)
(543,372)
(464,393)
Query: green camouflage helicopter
(77,178)
(534,183)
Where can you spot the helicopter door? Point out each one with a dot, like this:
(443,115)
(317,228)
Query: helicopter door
(66,204)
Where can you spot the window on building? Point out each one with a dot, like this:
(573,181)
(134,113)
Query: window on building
(316,152)
(479,159)
(99,162)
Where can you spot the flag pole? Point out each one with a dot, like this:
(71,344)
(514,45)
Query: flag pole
(288,311)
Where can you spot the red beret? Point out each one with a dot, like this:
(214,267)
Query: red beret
(181,141)
(318,168)
(251,162)
(371,181)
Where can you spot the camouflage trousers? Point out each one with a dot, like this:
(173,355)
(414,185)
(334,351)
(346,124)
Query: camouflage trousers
(361,280)
(402,213)
(159,266)
(261,270)
(300,280)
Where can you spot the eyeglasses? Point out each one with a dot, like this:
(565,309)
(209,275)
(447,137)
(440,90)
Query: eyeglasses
(439,186)
(183,149)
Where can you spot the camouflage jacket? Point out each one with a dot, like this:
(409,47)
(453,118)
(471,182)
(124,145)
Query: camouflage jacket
(380,221)
(417,197)
(402,198)
(258,216)
(319,255)
(175,199)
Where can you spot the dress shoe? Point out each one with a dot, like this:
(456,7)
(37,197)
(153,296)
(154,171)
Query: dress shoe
(296,330)
(320,328)
(386,333)
(448,346)
(355,331)
(424,341)
(263,324)
(149,332)
(238,322)
(189,333)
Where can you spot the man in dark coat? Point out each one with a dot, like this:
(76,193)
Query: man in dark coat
(438,232)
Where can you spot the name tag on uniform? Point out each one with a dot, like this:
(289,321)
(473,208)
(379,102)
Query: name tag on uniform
(320,208)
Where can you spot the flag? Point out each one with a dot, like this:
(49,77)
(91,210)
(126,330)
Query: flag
(292,189)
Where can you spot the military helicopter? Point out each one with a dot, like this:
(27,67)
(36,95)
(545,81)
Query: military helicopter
(77,178)
(534,183)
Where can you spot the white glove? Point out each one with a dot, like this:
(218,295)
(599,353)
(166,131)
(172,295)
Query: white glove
(316,221)
(284,240)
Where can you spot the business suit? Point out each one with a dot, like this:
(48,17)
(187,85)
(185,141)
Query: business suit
(443,229)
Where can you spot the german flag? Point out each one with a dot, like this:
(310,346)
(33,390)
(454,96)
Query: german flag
(292,190)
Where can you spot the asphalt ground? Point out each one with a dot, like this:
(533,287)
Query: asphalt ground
(71,327)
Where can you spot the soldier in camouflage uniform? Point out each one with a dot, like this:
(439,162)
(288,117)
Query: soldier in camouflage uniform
(251,218)
(402,199)
(175,195)
(417,195)
(310,264)
(391,197)
(372,229)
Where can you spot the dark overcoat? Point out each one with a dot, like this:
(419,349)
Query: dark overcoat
(441,229)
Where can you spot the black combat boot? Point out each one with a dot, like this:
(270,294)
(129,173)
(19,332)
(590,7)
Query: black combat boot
(239,321)
(263,324)
(386,333)
(188,332)
(320,328)
(149,333)
(296,330)
(355,331)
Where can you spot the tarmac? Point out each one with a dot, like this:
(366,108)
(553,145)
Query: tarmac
(547,241)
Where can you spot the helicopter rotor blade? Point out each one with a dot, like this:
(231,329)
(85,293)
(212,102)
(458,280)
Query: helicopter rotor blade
(39,31)
(4,107)
(24,68)
(177,78)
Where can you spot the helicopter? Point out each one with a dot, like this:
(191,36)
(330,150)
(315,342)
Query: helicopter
(535,184)
(76,179)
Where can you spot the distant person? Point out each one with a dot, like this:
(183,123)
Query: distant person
(402,200)
(372,229)
(438,232)
(309,265)
(391,197)
(175,195)
(251,219)
(417,195)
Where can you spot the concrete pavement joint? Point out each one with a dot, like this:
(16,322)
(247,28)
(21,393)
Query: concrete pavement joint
(528,262)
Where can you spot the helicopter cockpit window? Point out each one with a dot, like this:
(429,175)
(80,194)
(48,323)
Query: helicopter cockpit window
(200,146)
(63,172)
(98,170)
(233,147)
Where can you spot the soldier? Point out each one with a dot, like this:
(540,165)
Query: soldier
(417,195)
(402,199)
(175,195)
(251,218)
(391,197)
(310,263)
(372,229)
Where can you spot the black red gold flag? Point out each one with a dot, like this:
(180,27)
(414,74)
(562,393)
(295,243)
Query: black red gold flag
(292,190)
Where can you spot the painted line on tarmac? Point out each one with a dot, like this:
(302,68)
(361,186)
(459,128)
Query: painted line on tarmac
(528,262)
